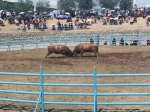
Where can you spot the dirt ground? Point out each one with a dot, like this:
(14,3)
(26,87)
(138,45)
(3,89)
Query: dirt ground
(112,60)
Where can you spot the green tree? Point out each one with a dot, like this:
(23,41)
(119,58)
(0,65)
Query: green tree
(85,4)
(43,5)
(125,4)
(65,4)
(109,3)
(3,5)
(24,6)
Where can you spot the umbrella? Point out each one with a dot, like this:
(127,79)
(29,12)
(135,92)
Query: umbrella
(1,11)
(67,13)
(5,10)
(11,9)
(63,17)
(116,19)
(44,13)
(51,13)
(21,12)
(30,12)
(100,14)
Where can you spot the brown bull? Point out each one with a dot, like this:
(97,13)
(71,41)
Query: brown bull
(81,48)
(59,49)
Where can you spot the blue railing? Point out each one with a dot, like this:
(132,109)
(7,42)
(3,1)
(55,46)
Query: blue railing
(35,42)
(95,94)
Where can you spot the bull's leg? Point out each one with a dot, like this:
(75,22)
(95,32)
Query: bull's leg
(96,54)
(66,55)
(81,53)
(47,55)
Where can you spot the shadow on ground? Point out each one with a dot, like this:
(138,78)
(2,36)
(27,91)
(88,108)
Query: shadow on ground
(15,108)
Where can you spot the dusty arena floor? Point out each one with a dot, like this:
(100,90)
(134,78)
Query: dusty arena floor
(112,60)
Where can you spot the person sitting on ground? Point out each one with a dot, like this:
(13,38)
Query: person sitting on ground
(9,20)
(95,20)
(147,23)
(135,20)
(16,22)
(120,21)
(91,41)
(71,26)
(19,19)
(114,41)
(53,27)
(44,24)
(65,27)
(121,41)
(104,22)
(1,23)
(58,23)
(36,24)
(40,24)
(24,29)
(105,43)
(28,26)
(131,22)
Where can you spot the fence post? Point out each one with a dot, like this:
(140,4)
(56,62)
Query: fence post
(109,39)
(42,88)
(8,43)
(66,40)
(80,38)
(51,43)
(124,39)
(141,39)
(95,89)
(22,41)
(94,38)
(111,36)
(37,42)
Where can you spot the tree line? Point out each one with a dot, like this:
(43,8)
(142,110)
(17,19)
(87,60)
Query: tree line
(44,5)
(89,4)
(25,5)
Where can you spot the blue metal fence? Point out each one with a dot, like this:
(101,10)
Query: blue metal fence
(42,93)
(35,42)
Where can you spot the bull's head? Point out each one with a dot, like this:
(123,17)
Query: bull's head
(70,54)
(74,54)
